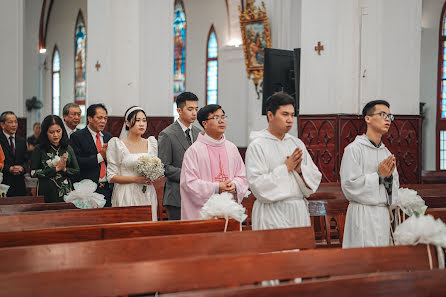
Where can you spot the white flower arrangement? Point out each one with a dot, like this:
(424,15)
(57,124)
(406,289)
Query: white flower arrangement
(149,166)
(84,195)
(53,162)
(223,206)
(423,230)
(410,202)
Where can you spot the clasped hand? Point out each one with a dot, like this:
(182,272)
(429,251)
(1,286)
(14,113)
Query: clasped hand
(227,186)
(387,166)
(294,161)
(62,164)
(143,180)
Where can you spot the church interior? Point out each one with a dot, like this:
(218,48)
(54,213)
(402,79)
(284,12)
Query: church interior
(124,53)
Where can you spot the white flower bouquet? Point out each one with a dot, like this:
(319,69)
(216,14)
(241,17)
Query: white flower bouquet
(149,166)
(84,195)
(410,202)
(223,206)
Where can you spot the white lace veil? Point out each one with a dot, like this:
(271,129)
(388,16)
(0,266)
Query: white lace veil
(124,132)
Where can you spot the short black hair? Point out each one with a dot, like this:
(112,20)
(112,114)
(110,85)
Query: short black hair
(66,108)
(185,96)
(91,110)
(205,111)
(4,114)
(132,117)
(35,124)
(369,108)
(47,122)
(278,99)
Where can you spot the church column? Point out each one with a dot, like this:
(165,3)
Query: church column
(11,56)
(128,62)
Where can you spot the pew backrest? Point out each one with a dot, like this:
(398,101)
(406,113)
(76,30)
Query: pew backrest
(21,200)
(73,217)
(84,254)
(18,208)
(112,231)
(183,274)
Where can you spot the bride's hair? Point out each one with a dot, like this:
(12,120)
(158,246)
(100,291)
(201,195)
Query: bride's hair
(131,118)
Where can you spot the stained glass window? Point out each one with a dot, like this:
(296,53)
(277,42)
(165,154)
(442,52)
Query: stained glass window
(212,68)
(80,59)
(442,150)
(179,61)
(56,81)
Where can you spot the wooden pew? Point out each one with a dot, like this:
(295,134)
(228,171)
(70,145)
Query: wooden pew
(438,213)
(73,217)
(84,254)
(18,208)
(112,231)
(395,284)
(184,274)
(21,200)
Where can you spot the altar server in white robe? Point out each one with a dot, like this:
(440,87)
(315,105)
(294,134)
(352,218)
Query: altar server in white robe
(369,180)
(280,170)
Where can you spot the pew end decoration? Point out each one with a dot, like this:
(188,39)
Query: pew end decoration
(151,167)
(423,230)
(256,37)
(84,195)
(223,206)
(410,202)
(3,188)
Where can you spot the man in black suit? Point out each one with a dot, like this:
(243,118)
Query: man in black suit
(14,148)
(90,147)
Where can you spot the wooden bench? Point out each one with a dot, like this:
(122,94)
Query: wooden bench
(438,213)
(433,177)
(73,217)
(395,284)
(21,200)
(17,208)
(184,274)
(112,231)
(84,254)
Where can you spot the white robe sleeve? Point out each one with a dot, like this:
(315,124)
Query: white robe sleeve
(310,172)
(357,186)
(267,186)
(114,158)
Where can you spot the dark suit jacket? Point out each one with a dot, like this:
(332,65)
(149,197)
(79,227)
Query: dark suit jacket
(172,144)
(16,182)
(86,153)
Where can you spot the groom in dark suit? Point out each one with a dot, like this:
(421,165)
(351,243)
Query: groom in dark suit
(90,147)
(14,148)
(172,143)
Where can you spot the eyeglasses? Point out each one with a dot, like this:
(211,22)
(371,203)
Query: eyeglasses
(384,115)
(217,118)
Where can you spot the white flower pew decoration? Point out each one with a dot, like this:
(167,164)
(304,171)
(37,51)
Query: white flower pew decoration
(423,230)
(410,202)
(223,206)
(84,195)
(3,188)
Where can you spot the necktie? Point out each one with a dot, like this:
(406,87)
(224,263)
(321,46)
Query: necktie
(189,140)
(99,148)
(11,141)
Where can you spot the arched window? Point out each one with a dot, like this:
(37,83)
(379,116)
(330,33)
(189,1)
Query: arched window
(441,96)
(179,61)
(56,81)
(212,68)
(80,59)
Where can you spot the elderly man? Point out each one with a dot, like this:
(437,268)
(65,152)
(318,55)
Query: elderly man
(15,150)
(71,117)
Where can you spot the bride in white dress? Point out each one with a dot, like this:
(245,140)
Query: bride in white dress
(122,155)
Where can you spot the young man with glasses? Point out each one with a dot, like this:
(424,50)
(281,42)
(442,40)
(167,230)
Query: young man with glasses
(211,165)
(369,180)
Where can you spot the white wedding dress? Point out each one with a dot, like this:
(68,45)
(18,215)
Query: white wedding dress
(121,162)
